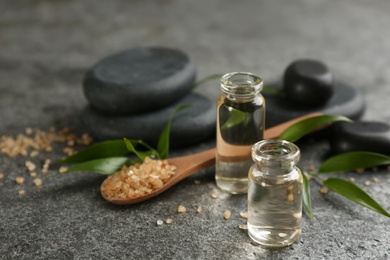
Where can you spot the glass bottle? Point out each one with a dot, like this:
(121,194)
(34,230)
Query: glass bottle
(240,124)
(275,194)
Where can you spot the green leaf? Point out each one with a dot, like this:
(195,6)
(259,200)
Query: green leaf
(106,149)
(140,154)
(301,128)
(236,117)
(163,142)
(352,192)
(352,161)
(306,195)
(105,166)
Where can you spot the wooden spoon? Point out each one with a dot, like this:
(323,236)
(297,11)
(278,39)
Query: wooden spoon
(190,164)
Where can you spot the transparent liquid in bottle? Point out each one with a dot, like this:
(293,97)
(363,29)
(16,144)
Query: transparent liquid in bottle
(240,125)
(275,209)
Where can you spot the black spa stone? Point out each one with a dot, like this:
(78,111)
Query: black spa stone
(345,101)
(308,83)
(360,136)
(139,80)
(190,126)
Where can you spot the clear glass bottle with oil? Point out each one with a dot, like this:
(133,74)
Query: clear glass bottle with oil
(275,194)
(240,124)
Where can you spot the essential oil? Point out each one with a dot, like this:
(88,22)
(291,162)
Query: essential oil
(275,194)
(240,124)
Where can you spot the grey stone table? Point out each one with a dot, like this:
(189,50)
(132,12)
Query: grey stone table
(47,46)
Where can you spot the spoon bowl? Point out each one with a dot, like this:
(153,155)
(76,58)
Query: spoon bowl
(190,164)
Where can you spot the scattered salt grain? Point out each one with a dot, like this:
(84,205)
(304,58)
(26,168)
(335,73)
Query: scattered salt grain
(181,209)
(37,182)
(244,214)
(227,214)
(160,222)
(34,154)
(367,183)
(46,165)
(35,140)
(19,180)
(28,131)
(30,166)
(324,190)
(68,151)
(63,169)
(214,195)
(243,226)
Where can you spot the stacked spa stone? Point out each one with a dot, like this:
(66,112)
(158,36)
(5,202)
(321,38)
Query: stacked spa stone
(132,94)
(309,86)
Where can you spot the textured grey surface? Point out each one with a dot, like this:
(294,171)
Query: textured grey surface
(47,46)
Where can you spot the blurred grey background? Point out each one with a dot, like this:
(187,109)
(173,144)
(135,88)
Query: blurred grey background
(47,46)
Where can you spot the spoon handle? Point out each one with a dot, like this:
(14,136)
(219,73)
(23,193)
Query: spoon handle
(243,152)
(192,163)
(198,161)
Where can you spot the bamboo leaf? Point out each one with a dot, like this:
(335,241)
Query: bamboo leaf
(352,161)
(301,128)
(140,154)
(163,142)
(352,192)
(105,149)
(236,117)
(306,195)
(105,166)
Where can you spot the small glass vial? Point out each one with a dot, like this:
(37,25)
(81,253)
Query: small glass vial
(240,124)
(275,194)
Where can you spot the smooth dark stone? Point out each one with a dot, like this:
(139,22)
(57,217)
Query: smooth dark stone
(139,80)
(345,101)
(308,83)
(360,136)
(191,125)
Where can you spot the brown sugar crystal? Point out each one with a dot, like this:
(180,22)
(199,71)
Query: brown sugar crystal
(138,179)
(37,182)
(30,166)
(227,214)
(181,209)
(19,180)
(35,140)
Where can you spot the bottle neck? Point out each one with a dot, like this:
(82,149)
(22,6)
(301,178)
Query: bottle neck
(241,86)
(275,157)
